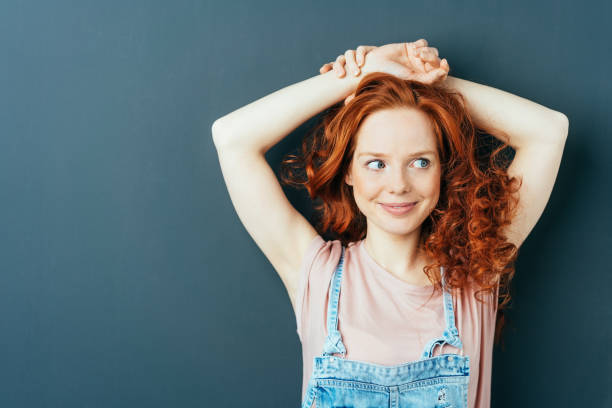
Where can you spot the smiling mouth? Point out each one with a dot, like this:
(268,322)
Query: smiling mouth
(399,205)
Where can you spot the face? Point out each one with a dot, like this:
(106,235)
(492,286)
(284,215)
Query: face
(387,168)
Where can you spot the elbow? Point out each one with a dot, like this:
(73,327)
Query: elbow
(554,130)
(216,126)
(563,124)
(217,131)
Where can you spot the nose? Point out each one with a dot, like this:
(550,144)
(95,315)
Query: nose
(399,181)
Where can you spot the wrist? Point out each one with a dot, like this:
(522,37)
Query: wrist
(449,82)
(348,83)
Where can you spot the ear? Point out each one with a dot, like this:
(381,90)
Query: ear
(348,179)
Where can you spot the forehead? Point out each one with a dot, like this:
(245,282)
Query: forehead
(401,130)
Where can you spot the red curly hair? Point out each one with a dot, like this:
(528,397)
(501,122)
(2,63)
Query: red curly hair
(464,232)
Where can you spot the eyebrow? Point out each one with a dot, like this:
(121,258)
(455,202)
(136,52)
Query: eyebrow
(384,155)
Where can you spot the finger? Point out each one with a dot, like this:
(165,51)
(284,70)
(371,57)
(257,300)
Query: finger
(442,68)
(325,68)
(339,66)
(351,63)
(444,65)
(432,76)
(427,54)
(440,74)
(429,58)
(338,70)
(360,55)
(420,42)
(415,61)
(362,50)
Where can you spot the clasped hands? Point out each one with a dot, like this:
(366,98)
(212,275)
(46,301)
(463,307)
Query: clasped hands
(414,61)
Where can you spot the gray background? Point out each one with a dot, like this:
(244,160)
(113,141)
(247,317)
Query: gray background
(127,278)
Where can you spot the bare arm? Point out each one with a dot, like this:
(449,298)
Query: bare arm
(503,114)
(537,134)
(242,137)
(259,125)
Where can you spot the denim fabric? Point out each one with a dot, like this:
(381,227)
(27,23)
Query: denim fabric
(440,381)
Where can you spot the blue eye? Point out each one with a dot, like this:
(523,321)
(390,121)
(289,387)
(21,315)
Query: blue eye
(373,161)
(421,159)
(379,161)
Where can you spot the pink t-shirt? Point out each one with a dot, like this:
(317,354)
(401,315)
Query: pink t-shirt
(387,321)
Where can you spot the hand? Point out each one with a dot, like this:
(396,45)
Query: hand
(415,61)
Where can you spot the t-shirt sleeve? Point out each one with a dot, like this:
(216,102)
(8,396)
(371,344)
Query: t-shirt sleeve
(315,274)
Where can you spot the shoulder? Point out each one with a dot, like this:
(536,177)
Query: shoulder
(320,257)
(318,263)
(317,267)
(473,293)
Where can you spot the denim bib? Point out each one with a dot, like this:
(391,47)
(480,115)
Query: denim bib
(440,381)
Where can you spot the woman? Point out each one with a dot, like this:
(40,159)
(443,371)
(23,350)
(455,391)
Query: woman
(423,223)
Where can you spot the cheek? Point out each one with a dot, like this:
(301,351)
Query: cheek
(431,185)
(367,187)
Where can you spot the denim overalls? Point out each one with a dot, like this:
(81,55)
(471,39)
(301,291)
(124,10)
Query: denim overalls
(440,381)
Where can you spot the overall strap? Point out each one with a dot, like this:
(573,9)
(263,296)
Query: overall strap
(333,342)
(451,334)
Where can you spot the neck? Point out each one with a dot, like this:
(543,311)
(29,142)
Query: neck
(399,255)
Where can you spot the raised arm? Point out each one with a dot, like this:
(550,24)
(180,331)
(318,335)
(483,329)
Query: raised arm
(261,124)
(242,138)
(538,136)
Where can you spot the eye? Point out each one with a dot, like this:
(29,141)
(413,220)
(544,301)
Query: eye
(373,161)
(423,159)
(420,159)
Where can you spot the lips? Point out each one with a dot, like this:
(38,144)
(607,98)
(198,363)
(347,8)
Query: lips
(400,210)
(398,204)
